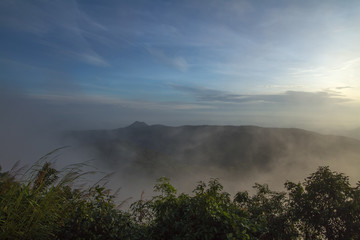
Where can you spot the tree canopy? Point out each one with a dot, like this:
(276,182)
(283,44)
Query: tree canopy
(47,204)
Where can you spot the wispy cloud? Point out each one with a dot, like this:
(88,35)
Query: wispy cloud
(93,59)
(288,97)
(177,62)
(59,26)
(117,102)
(345,87)
(335,66)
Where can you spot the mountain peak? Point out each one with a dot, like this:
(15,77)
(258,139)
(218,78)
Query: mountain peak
(138,124)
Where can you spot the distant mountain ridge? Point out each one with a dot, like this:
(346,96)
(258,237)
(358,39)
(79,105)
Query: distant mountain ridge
(354,133)
(138,124)
(164,149)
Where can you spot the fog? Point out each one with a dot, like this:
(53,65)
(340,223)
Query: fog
(191,154)
(32,127)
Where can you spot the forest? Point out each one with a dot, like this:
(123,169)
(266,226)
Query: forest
(42,202)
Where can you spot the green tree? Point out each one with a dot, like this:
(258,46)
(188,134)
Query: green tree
(94,216)
(325,206)
(270,210)
(208,214)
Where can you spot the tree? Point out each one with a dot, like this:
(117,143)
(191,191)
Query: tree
(93,215)
(208,214)
(325,206)
(270,210)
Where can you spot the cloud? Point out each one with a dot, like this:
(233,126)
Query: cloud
(345,87)
(115,102)
(180,63)
(93,59)
(177,62)
(58,26)
(288,97)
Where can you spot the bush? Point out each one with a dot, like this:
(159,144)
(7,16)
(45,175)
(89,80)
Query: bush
(44,203)
(208,214)
(33,209)
(94,216)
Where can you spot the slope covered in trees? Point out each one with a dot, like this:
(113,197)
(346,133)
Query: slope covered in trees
(238,151)
(46,203)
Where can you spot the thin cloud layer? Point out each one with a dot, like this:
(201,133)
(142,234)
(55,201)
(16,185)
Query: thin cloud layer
(288,97)
(177,62)
(59,26)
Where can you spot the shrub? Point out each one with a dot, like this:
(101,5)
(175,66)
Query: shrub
(45,203)
(208,214)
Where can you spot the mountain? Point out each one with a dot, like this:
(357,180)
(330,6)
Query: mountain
(234,150)
(355,133)
(138,124)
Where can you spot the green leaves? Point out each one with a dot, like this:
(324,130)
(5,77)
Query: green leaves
(324,206)
(164,187)
(207,214)
(31,210)
(94,216)
(269,210)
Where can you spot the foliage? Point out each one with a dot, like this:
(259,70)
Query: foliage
(208,214)
(32,210)
(94,216)
(269,208)
(45,203)
(325,206)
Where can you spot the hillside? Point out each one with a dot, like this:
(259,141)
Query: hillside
(164,150)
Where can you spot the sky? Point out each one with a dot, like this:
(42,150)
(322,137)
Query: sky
(90,64)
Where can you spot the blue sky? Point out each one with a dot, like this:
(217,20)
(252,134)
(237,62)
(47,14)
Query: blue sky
(104,64)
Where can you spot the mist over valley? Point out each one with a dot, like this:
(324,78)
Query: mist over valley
(237,155)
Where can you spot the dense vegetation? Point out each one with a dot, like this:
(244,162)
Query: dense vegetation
(44,203)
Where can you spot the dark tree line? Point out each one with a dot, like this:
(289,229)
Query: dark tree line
(49,205)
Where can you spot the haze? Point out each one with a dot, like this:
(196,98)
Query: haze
(77,65)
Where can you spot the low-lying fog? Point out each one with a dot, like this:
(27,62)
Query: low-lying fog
(31,128)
